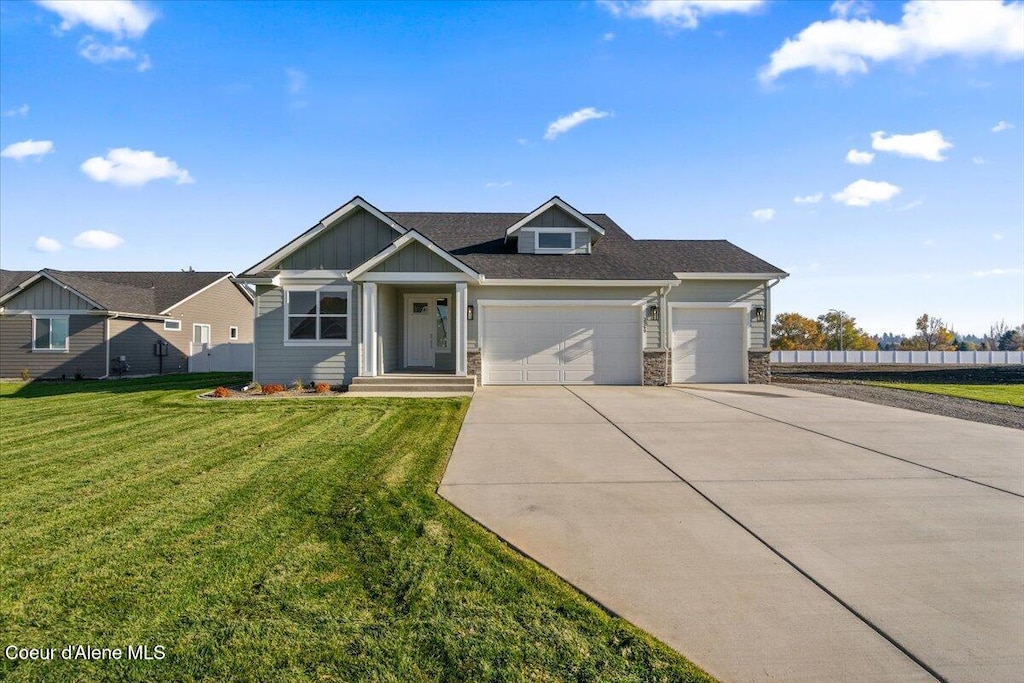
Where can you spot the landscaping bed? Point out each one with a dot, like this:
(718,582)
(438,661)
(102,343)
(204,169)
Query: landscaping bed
(256,391)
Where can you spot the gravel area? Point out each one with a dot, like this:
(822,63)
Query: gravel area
(843,382)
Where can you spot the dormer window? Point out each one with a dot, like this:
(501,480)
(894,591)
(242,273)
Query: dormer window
(554,241)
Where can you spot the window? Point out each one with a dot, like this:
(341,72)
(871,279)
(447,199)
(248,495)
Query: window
(50,333)
(557,241)
(443,325)
(200,334)
(172,326)
(232,332)
(317,316)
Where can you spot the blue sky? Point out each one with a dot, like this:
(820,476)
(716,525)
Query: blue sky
(168,135)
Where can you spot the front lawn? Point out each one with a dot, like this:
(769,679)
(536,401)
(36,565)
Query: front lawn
(1005,394)
(272,541)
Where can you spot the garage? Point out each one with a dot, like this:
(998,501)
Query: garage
(561,344)
(709,344)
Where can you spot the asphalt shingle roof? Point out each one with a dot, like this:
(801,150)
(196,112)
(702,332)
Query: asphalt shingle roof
(478,240)
(141,292)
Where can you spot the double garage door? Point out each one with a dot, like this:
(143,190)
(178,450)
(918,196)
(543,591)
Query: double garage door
(708,344)
(562,345)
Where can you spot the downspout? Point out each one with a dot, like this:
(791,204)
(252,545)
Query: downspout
(663,305)
(768,311)
(106,335)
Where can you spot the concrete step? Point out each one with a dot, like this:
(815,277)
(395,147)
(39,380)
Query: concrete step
(400,388)
(413,380)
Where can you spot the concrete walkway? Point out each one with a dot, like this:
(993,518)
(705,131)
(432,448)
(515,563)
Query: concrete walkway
(765,533)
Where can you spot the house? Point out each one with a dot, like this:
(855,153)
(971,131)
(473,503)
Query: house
(93,324)
(550,296)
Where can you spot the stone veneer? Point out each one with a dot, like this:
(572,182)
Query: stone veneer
(759,367)
(656,367)
(473,366)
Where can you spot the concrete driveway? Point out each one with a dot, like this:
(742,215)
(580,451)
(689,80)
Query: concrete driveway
(764,532)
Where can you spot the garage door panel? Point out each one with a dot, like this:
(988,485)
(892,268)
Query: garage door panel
(708,345)
(561,345)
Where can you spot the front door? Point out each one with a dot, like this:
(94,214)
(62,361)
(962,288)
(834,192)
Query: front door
(419,332)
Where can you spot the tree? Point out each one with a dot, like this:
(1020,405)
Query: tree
(1012,340)
(792,331)
(840,331)
(932,335)
(995,334)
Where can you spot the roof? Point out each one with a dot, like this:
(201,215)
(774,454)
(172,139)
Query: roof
(139,292)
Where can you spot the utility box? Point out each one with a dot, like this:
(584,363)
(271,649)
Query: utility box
(160,348)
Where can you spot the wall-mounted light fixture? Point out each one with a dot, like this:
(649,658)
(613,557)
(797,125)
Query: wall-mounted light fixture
(757,314)
(469,312)
(652,312)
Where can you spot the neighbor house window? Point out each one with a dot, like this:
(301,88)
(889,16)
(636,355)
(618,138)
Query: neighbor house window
(318,316)
(50,333)
(200,334)
(172,326)
(232,332)
(555,241)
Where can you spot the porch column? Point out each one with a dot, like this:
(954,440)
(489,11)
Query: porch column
(461,299)
(369,329)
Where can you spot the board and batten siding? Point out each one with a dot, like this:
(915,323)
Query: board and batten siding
(415,258)
(549,293)
(280,364)
(729,292)
(46,295)
(86,349)
(342,246)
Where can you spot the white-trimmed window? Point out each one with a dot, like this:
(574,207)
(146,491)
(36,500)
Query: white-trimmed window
(232,333)
(50,333)
(172,326)
(554,240)
(200,333)
(318,315)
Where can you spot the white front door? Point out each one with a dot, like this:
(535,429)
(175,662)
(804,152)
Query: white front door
(419,332)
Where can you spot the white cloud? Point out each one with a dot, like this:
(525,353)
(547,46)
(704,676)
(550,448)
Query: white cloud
(570,121)
(678,13)
(850,8)
(27,148)
(998,272)
(928,145)
(119,18)
(495,183)
(126,166)
(1001,126)
(297,80)
(145,64)
(809,199)
(522,141)
(46,245)
(97,239)
(17,111)
(763,215)
(928,29)
(859,158)
(978,160)
(997,236)
(866,192)
(98,53)
(608,37)
(911,205)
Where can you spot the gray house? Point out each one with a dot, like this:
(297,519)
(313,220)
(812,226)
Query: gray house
(550,296)
(62,324)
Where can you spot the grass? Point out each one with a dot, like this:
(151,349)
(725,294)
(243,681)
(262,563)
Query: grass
(272,541)
(1003,394)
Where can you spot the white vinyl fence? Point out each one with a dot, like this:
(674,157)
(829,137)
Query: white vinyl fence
(901,357)
(220,357)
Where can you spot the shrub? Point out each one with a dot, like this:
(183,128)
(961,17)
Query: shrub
(221,392)
(255,388)
(269,389)
(298,385)
(25,375)
(322,387)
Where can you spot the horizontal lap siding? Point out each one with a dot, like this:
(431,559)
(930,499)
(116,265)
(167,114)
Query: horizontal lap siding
(277,363)
(221,307)
(44,295)
(87,349)
(726,292)
(134,339)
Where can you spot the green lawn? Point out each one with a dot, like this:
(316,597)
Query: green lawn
(1006,394)
(291,540)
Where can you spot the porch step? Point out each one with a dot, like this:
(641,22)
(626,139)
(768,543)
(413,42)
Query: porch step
(391,384)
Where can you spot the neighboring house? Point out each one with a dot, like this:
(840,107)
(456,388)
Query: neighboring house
(553,296)
(61,324)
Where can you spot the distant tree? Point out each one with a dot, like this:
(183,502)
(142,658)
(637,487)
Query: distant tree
(1012,340)
(966,345)
(841,333)
(792,331)
(889,341)
(932,335)
(995,334)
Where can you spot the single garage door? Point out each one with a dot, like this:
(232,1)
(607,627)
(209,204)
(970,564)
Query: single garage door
(708,344)
(561,345)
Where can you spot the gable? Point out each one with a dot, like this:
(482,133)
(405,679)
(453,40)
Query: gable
(414,258)
(554,217)
(342,246)
(46,295)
